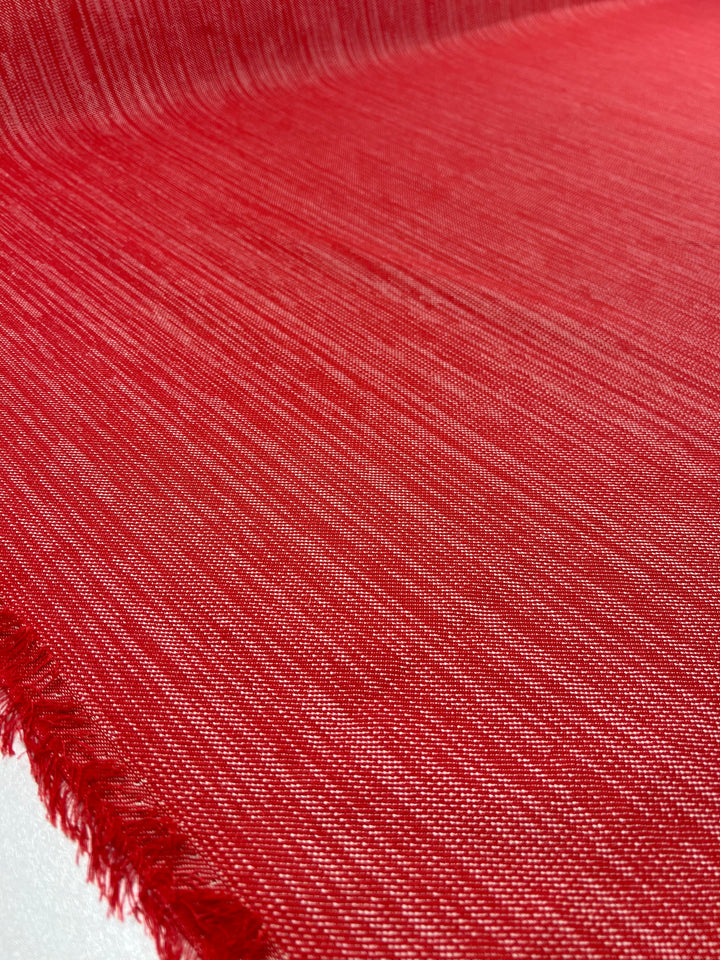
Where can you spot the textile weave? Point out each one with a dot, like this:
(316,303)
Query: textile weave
(359,506)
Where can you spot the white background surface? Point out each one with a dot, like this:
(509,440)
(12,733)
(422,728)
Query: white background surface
(47,909)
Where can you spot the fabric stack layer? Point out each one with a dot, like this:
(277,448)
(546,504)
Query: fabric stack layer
(360,432)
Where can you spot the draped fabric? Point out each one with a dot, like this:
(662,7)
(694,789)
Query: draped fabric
(359,457)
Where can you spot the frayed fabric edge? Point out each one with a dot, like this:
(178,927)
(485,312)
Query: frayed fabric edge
(136,857)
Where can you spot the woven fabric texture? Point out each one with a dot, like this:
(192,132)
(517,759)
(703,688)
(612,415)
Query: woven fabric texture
(359,460)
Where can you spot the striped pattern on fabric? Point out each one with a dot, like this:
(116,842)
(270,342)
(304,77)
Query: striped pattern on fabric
(110,60)
(359,507)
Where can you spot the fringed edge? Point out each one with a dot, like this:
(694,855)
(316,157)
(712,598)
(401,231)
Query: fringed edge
(137,858)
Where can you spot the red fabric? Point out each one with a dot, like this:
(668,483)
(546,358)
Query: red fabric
(360,438)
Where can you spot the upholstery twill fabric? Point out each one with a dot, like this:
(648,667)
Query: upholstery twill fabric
(359,461)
